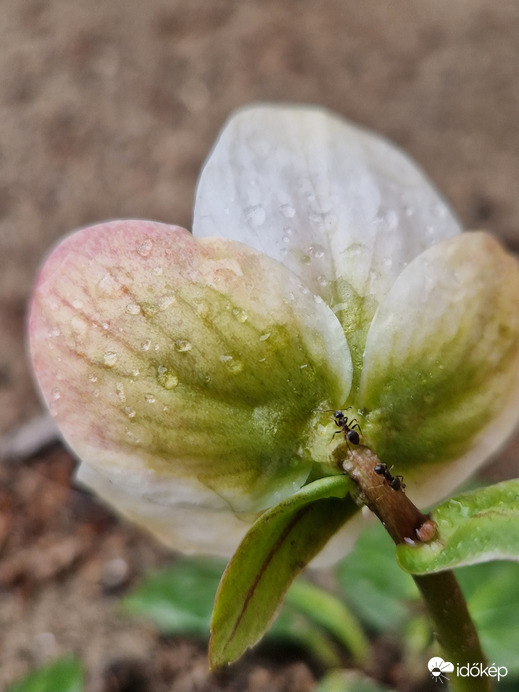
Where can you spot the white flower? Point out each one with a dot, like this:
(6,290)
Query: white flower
(324,272)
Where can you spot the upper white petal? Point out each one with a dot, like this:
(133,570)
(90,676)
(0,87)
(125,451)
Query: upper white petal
(342,207)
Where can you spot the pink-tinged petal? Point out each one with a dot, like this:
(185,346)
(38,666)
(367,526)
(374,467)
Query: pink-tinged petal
(441,367)
(186,371)
(338,205)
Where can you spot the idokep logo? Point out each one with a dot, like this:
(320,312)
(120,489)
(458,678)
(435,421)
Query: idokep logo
(438,668)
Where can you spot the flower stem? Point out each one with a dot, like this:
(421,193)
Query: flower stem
(445,602)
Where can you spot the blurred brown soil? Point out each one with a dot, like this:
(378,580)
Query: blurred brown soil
(107,110)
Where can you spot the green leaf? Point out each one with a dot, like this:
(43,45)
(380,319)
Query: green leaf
(326,610)
(349,681)
(63,675)
(179,599)
(293,626)
(492,593)
(478,526)
(373,584)
(277,547)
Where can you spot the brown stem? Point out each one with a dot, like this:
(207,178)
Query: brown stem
(405,523)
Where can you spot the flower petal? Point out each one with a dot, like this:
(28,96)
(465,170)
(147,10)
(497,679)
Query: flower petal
(441,370)
(184,370)
(340,206)
(174,514)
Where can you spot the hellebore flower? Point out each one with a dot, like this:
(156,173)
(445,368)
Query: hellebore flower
(192,374)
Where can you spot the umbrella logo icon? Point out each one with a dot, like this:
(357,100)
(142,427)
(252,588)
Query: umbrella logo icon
(438,667)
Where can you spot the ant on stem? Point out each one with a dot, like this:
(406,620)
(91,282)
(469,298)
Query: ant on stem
(395,482)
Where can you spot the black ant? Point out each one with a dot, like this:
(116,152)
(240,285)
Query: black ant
(349,428)
(395,482)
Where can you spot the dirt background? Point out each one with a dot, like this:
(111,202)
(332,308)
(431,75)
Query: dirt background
(107,109)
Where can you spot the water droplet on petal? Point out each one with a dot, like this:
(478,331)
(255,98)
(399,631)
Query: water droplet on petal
(166,378)
(150,398)
(145,247)
(149,309)
(183,345)
(234,366)
(391,220)
(146,345)
(133,309)
(166,301)
(92,377)
(240,314)
(264,337)
(79,325)
(315,251)
(78,304)
(119,388)
(56,394)
(110,359)
(130,412)
(255,215)
(157,271)
(107,286)
(287,210)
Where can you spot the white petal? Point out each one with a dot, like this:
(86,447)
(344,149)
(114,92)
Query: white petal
(195,525)
(440,384)
(340,206)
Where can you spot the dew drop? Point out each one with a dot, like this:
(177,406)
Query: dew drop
(92,377)
(78,304)
(166,378)
(133,309)
(56,394)
(315,251)
(145,247)
(240,314)
(287,210)
(232,365)
(136,372)
(149,309)
(182,345)
(79,325)
(166,301)
(110,359)
(150,398)
(54,332)
(130,412)
(157,271)
(323,281)
(119,388)
(105,325)
(391,220)
(107,286)
(255,215)
(265,336)
(146,345)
